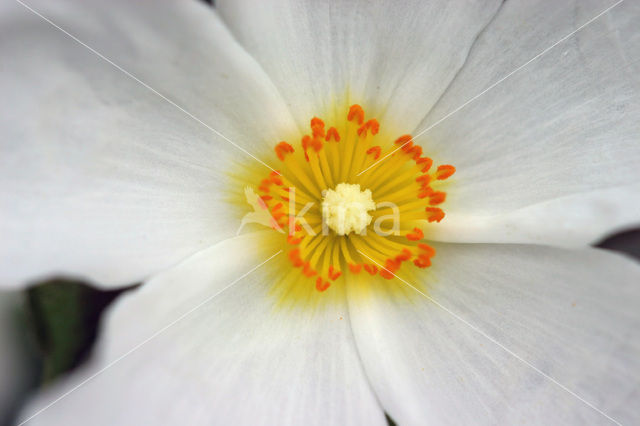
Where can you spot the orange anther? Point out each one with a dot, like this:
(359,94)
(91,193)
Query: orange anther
(416,235)
(333,273)
(370,126)
(282,197)
(415,150)
(425,192)
(282,149)
(445,171)
(390,267)
(407,148)
(437,197)
(427,249)
(404,139)
(317,127)
(277,180)
(372,269)
(306,141)
(423,180)
(422,262)
(404,255)
(355,268)
(293,240)
(276,207)
(425,162)
(384,273)
(294,256)
(374,126)
(356,112)
(308,270)
(317,144)
(322,285)
(376,150)
(264,189)
(332,133)
(434,214)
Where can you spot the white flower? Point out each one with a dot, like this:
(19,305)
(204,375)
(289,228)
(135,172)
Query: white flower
(113,168)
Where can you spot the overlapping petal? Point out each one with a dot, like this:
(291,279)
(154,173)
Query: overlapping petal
(568,221)
(101,177)
(454,359)
(212,347)
(394,59)
(551,153)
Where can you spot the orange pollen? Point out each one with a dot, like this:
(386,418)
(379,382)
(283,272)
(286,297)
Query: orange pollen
(424,192)
(308,270)
(404,179)
(437,197)
(334,274)
(427,249)
(356,112)
(372,269)
(355,268)
(317,127)
(375,150)
(434,214)
(415,150)
(371,126)
(322,285)
(422,261)
(416,235)
(423,180)
(445,171)
(403,140)
(404,255)
(293,240)
(425,163)
(282,149)
(332,133)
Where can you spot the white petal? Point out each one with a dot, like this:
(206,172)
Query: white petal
(570,314)
(395,60)
(563,129)
(100,176)
(234,358)
(570,221)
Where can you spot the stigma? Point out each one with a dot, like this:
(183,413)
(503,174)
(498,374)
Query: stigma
(346,208)
(348,199)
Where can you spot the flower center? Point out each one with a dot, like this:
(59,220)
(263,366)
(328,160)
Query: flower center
(385,196)
(346,208)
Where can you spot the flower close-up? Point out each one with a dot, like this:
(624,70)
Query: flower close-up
(325,212)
